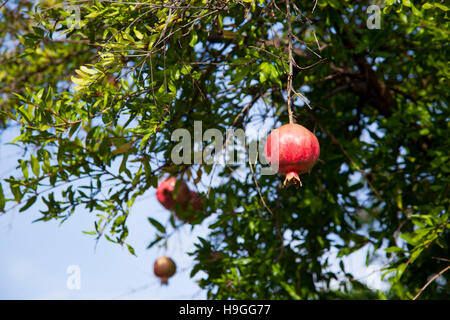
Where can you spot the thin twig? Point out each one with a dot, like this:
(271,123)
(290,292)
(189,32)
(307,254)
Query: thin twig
(315,4)
(277,222)
(258,189)
(430,281)
(441,259)
(1,6)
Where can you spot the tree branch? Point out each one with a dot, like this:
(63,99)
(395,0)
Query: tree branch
(430,281)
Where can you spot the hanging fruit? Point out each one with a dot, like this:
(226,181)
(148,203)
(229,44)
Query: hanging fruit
(191,211)
(292,150)
(165,193)
(164,268)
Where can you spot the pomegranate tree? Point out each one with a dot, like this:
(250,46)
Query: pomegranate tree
(165,193)
(291,150)
(164,268)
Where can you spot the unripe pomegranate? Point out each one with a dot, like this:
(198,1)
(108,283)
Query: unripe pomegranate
(291,150)
(164,268)
(165,193)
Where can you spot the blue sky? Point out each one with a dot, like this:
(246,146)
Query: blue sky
(35,258)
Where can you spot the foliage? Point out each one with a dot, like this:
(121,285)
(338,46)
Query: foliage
(98,99)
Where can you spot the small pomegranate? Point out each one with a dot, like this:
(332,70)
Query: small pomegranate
(188,213)
(165,193)
(164,268)
(196,201)
(291,150)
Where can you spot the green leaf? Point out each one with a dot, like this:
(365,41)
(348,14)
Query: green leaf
(194,38)
(88,70)
(158,239)
(35,165)
(20,137)
(241,73)
(28,204)
(138,34)
(151,40)
(81,82)
(290,290)
(157,225)
(265,71)
(242,262)
(123,148)
(123,164)
(74,128)
(394,249)
(93,14)
(39,32)
(195,270)
(131,250)
(26,114)
(429,5)
(2,199)
(441,6)
(23,165)
(268,71)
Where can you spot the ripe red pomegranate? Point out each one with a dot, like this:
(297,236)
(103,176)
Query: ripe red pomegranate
(164,268)
(291,150)
(165,193)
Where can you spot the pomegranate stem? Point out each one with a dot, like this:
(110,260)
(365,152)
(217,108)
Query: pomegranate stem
(291,59)
(164,280)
